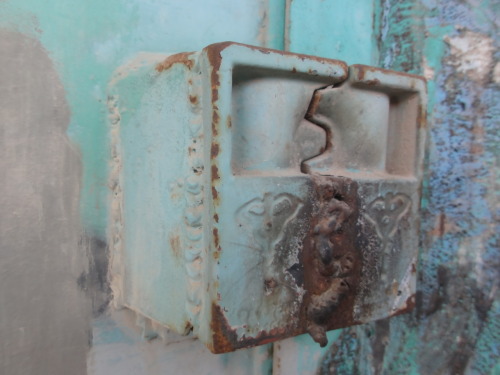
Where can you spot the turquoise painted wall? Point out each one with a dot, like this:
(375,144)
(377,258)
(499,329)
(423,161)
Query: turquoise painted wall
(88,41)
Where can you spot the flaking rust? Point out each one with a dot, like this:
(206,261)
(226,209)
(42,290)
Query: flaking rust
(225,339)
(331,257)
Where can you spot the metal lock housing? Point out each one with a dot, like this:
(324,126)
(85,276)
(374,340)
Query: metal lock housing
(259,194)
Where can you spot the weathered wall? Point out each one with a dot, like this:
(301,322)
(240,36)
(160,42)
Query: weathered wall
(44,317)
(57,58)
(455,327)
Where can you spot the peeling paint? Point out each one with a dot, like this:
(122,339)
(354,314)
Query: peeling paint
(452,329)
(471,54)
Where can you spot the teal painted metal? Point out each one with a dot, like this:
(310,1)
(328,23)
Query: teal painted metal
(193,137)
(268,225)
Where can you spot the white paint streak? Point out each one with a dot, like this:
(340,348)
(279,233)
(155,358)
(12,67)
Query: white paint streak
(428,71)
(472,55)
(141,60)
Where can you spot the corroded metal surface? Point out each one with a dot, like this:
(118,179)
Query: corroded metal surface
(332,261)
(294,208)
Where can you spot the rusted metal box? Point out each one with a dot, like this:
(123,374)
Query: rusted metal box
(259,194)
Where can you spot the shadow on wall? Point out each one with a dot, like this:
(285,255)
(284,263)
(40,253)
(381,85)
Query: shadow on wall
(44,317)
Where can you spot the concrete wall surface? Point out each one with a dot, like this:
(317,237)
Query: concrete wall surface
(56,61)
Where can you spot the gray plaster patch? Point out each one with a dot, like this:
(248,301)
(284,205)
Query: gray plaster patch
(44,317)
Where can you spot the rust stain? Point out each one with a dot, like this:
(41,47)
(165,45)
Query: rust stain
(265,51)
(214,50)
(214,57)
(215,121)
(179,58)
(215,233)
(193,99)
(225,339)
(215,173)
(331,253)
(214,151)
(215,178)
(331,257)
(313,106)
(421,117)
(409,306)
(442,218)
(229,122)
(175,245)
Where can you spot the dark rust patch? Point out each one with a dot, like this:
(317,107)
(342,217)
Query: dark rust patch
(179,58)
(213,52)
(331,258)
(215,121)
(175,244)
(193,99)
(214,57)
(421,116)
(409,306)
(215,233)
(214,150)
(312,110)
(216,218)
(442,224)
(330,274)
(222,335)
(215,173)
(225,339)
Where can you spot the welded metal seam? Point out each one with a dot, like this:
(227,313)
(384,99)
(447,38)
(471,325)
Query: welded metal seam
(194,198)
